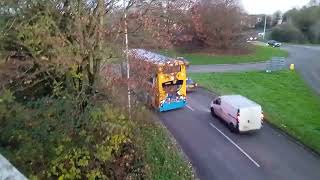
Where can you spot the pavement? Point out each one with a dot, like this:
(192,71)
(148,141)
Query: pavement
(218,154)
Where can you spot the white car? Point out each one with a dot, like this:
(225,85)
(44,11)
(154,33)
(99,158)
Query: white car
(239,113)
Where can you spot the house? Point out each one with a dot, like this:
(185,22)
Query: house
(250,21)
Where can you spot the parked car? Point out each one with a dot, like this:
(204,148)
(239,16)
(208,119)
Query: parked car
(239,113)
(191,85)
(274,43)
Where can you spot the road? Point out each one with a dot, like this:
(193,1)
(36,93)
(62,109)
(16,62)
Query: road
(218,154)
(307,61)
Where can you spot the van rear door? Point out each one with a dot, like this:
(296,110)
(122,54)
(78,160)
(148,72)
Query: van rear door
(250,118)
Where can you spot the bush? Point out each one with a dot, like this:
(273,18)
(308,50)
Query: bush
(306,20)
(288,33)
(53,138)
(49,139)
(315,33)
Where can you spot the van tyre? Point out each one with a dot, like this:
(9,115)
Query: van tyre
(230,126)
(233,128)
(213,113)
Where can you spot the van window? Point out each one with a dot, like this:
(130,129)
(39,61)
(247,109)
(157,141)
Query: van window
(218,101)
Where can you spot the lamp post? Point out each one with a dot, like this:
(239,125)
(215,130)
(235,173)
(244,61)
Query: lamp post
(265,26)
(127,55)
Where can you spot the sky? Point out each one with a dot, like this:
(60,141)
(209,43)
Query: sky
(271,6)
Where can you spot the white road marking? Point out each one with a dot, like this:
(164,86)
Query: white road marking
(189,107)
(238,147)
(199,107)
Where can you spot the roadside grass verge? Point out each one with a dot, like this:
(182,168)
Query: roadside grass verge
(163,158)
(259,54)
(287,101)
(51,138)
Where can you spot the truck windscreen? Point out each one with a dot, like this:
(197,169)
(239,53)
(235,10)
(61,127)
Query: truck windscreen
(172,86)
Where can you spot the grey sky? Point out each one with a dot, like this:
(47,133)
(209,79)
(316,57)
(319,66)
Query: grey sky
(270,6)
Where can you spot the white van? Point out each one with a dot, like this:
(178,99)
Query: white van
(239,113)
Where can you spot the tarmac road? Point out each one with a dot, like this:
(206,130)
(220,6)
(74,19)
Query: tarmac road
(218,154)
(307,63)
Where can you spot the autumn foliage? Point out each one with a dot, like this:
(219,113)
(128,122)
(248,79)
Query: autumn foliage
(185,24)
(216,23)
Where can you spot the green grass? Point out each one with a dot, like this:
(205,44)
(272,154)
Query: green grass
(163,158)
(287,101)
(260,53)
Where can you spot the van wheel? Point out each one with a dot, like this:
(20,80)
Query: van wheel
(213,113)
(233,128)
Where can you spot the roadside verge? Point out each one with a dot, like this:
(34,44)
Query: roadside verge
(8,171)
(288,103)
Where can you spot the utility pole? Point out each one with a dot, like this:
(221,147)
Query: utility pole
(265,26)
(127,55)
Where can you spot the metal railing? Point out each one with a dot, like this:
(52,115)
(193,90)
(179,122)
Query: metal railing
(276,64)
(8,171)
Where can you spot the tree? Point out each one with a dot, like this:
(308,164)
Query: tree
(217,23)
(276,17)
(314,3)
(306,20)
(287,33)
(71,35)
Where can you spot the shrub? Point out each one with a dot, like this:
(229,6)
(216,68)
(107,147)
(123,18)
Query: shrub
(50,138)
(53,138)
(315,33)
(288,33)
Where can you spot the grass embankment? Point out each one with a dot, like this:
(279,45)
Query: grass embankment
(259,54)
(287,101)
(163,157)
(50,138)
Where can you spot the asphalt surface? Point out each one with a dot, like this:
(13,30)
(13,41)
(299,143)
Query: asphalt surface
(216,153)
(307,63)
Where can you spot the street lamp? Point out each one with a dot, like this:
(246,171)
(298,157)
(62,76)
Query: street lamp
(265,26)
(127,55)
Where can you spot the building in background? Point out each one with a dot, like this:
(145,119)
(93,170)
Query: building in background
(250,21)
